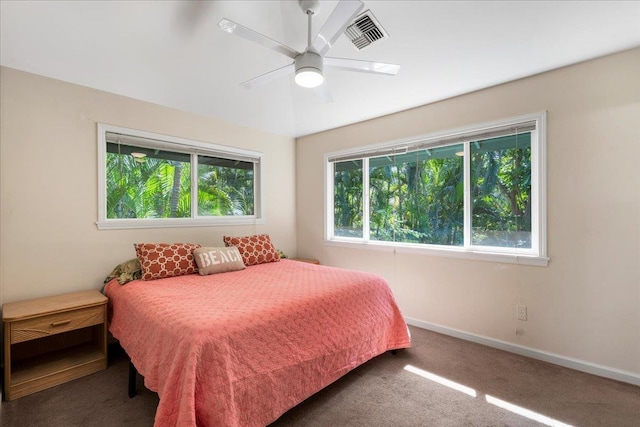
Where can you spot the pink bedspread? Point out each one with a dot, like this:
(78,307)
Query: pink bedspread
(241,348)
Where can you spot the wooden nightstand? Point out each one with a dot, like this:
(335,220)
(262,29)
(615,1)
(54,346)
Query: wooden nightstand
(49,341)
(310,261)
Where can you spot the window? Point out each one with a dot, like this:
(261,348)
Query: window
(149,180)
(474,193)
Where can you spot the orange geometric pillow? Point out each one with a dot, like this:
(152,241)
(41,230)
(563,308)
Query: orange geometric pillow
(159,260)
(254,250)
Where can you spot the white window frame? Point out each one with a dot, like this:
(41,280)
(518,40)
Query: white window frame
(536,255)
(194,148)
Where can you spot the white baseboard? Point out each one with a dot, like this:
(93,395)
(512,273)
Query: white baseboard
(567,362)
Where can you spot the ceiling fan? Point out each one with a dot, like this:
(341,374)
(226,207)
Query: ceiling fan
(310,64)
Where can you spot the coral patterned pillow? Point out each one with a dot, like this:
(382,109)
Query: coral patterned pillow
(256,249)
(159,260)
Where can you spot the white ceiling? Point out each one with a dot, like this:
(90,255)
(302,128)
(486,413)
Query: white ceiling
(174,54)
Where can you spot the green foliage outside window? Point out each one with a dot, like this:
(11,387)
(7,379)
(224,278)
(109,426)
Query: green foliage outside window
(501,191)
(147,187)
(418,197)
(348,199)
(158,184)
(224,190)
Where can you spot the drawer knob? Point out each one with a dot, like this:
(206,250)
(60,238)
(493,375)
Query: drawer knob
(61,322)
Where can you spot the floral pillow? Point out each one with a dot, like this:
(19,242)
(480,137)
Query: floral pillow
(256,249)
(125,272)
(160,260)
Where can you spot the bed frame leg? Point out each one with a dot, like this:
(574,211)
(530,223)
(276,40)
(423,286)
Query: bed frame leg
(133,373)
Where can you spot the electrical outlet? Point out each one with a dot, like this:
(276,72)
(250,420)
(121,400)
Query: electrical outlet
(521,312)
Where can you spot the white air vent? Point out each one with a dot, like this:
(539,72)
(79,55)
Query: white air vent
(365,30)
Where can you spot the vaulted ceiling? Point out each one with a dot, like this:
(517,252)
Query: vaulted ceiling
(173,53)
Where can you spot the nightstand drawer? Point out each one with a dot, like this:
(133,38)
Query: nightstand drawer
(26,330)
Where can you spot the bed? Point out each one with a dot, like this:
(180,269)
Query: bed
(242,347)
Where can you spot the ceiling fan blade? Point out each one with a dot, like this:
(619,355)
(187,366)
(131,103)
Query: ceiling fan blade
(324,93)
(231,27)
(362,66)
(267,77)
(335,25)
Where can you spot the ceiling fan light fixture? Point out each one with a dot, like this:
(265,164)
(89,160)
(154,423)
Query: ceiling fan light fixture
(309,77)
(309,70)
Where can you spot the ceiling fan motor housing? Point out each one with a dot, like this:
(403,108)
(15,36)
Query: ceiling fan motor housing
(309,61)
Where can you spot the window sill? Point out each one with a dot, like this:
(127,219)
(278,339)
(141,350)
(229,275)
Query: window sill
(533,260)
(121,224)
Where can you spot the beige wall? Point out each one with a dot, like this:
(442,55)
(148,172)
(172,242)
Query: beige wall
(49,243)
(586,303)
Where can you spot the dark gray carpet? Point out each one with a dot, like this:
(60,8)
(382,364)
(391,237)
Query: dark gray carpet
(379,393)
